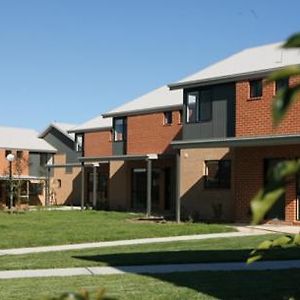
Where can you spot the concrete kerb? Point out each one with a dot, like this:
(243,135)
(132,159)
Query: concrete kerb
(151,269)
(21,251)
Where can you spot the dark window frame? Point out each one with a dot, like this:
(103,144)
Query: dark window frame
(222,179)
(281,83)
(256,88)
(124,130)
(188,118)
(168,118)
(78,147)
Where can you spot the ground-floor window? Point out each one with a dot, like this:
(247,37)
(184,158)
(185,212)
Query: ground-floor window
(217,174)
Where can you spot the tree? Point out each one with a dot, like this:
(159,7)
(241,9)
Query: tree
(283,171)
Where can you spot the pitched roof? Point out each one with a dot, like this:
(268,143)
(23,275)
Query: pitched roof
(156,100)
(249,61)
(97,123)
(23,139)
(61,127)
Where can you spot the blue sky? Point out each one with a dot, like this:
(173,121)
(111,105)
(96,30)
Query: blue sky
(69,60)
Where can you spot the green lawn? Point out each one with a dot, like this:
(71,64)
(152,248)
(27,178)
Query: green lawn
(212,250)
(39,228)
(176,286)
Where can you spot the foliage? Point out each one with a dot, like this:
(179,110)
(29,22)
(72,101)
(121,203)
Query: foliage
(82,295)
(283,171)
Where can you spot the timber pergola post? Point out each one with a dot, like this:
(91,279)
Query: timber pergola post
(82,186)
(178,202)
(95,184)
(149,159)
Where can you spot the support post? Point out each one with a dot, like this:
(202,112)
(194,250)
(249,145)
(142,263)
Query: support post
(47,187)
(11,192)
(149,187)
(82,186)
(178,204)
(95,184)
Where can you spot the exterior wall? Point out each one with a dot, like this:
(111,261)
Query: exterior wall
(147,133)
(24,165)
(69,190)
(253,116)
(249,170)
(98,143)
(195,200)
(119,183)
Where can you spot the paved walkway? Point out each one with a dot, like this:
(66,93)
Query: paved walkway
(152,269)
(20,251)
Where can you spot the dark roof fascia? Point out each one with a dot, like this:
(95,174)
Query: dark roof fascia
(95,129)
(48,129)
(142,111)
(239,142)
(222,79)
(52,166)
(29,150)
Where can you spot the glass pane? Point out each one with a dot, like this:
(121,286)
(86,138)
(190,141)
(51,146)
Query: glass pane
(191,107)
(119,129)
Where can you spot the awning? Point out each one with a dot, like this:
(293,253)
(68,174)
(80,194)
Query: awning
(255,141)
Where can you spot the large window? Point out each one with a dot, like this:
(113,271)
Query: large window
(199,106)
(256,88)
(120,128)
(217,174)
(79,142)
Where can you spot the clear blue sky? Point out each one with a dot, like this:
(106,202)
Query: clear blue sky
(69,60)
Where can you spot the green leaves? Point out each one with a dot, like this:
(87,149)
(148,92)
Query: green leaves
(293,41)
(275,188)
(281,242)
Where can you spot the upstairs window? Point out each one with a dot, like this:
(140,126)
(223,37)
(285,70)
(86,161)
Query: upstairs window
(191,107)
(217,174)
(20,155)
(120,128)
(168,119)
(205,106)
(79,142)
(281,84)
(44,158)
(256,88)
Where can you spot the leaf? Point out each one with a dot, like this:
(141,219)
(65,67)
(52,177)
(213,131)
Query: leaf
(282,171)
(282,241)
(282,102)
(263,201)
(254,258)
(293,41)
(297,240)
(265,245)
(284,73)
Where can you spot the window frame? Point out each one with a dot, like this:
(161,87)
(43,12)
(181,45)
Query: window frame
(286,82)
(188,109)
(220,183)
(168,118)
(124,129)
(251,83)
(79,146)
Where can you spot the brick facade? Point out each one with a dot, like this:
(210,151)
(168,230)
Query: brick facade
(24,164)
(253,116)
(98,143)
(249,178)
(148,134)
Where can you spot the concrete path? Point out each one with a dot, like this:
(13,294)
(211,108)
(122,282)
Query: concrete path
(20,251)
(278,228)
(152,269)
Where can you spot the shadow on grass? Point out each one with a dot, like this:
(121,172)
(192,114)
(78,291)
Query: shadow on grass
(193,256)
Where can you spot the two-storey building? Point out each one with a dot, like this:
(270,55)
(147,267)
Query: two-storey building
(29,175)
(228,140)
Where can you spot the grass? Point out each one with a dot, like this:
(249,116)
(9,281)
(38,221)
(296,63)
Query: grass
(211,250)
(193,285)
(39,228)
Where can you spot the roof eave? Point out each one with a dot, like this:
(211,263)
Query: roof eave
(141,111)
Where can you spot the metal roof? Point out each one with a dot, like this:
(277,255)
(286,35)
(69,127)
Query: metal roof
(251,61)
(61,127)
(156,100)
(252,141)
(97,123)
(23,139)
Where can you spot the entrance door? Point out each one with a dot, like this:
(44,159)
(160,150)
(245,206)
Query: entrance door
(278,209)
(139,188)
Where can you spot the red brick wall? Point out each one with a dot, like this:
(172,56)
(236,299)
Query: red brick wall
(4,165)
(147,133)
(249,177)
(98,143)
(253,117)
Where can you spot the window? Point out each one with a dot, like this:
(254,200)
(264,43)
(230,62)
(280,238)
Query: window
(191,107)
(168,120)
(79,142)
(205,107)
(43,159)
(36,189)
(217,174)
(7,152)
(256,88)
(180,117)
(281,84)
(119,129)
(19,154)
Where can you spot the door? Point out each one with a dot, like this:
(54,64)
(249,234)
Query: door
(139,189)
(278,209)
